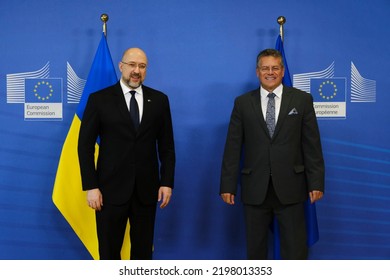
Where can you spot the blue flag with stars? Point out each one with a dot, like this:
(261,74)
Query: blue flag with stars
(328,90)
(47,90)
(310,209)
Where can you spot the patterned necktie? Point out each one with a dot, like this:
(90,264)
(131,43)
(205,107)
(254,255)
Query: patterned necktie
(270,116)
(134,111)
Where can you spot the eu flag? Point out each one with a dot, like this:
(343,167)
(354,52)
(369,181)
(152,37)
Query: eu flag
(310,209)
(48,90)
(328,89)
(279,46)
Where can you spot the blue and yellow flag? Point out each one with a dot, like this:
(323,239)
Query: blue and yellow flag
(67,193)
(310,209)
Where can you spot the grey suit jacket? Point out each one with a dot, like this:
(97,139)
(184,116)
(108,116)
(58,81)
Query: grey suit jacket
(293,155)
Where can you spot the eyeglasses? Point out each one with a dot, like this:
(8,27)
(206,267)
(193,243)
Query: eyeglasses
(266,69)
(134,65)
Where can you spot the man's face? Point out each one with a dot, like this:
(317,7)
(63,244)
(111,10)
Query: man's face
(270,72)
(133,67)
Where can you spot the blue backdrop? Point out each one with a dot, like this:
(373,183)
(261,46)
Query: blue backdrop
(202,54)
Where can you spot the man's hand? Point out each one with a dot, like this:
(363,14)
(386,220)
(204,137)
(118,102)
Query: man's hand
(164,194)
(95,199)
(228,198)
(315,195)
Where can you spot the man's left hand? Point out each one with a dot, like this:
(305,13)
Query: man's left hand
(164,195)
(315,195)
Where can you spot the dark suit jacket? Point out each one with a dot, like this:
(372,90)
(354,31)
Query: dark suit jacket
(128,160)
(293,155)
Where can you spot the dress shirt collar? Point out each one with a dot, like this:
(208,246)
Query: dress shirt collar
(278,92)
(126,89)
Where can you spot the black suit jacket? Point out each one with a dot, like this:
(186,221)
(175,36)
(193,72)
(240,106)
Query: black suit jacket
(293,155)
(127,160)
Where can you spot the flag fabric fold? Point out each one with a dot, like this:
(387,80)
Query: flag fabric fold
(67,192)
(310,209)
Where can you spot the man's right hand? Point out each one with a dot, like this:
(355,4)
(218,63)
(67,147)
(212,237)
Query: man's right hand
(228,198)
(95,199)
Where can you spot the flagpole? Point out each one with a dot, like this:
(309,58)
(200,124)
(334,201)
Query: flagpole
(281,20)
(104,18)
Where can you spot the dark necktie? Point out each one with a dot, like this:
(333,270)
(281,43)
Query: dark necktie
(270,116)
(134,111)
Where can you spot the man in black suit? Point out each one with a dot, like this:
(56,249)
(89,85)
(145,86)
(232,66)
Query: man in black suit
(136,162)
(282,162)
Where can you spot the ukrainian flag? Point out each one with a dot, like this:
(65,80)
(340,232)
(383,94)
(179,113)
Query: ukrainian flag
(67,193)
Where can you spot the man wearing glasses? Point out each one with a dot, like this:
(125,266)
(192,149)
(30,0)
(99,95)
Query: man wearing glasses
(136,162)
(273,142)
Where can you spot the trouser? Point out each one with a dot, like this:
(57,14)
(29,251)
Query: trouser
(291,220)
(111,224)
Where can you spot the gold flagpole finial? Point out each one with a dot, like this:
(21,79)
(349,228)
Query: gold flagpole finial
(104,18)
(281,20)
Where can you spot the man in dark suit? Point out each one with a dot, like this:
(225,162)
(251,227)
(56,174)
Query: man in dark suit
(273,137)
(136,162)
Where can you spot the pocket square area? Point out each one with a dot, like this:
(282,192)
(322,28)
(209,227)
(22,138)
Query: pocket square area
(293,112)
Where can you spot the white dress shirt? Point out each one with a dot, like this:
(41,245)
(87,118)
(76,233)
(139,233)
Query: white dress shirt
(138,96)
(278,100)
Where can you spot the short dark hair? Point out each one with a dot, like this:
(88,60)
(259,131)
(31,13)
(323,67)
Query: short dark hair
(269,52)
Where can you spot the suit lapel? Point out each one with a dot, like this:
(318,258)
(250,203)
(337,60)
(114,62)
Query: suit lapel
(256,102)
(287,96)
(121,105)
(147,110)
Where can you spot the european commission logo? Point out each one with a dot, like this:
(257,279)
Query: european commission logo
(330,93)
(43,96)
